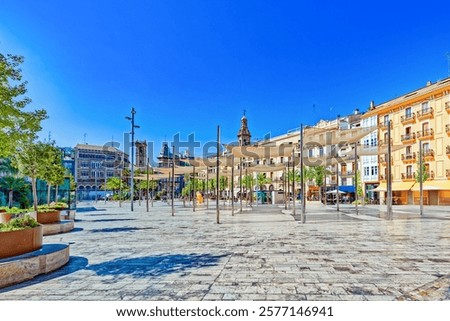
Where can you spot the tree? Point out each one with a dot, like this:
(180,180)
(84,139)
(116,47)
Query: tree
(261,180)
(17,126)
(425,174)
(32,161)
(248,181)
(317,174)
(114,184)
(53,171)
(359,189)
(12,184)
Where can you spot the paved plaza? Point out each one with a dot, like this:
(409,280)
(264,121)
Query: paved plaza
(262,253)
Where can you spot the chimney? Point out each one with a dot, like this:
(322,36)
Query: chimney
(429,83)
(372,105)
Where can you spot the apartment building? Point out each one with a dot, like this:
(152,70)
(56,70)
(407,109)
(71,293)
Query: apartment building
(420,117)
(94,165)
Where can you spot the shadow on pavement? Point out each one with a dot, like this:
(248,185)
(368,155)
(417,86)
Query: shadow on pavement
(158,265)
(121,229)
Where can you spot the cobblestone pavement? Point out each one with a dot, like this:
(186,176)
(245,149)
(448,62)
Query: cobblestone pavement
(260,254)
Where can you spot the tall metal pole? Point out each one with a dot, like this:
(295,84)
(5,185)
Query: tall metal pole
(303,216)
(133,126)
(337,185)
(389,173)
(288,185)
(232,185)
(95,174)
(285,180)
(120,189)
(148,185)
(207,188)
(217,175)
(420,179)
(356,178)
(294,193)
(105,182)
(194,190)
(240,184)
(173,180)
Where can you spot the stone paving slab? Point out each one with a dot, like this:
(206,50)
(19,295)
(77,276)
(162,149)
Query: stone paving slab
(260,254)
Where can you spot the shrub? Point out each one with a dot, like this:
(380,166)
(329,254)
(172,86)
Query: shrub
(19,224)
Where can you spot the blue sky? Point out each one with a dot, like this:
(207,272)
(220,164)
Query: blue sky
(188,66)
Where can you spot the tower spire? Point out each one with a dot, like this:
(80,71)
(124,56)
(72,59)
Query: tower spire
(244,135)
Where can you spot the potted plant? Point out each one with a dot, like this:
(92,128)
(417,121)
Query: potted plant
(60,206)
(47,215)
(4,215)
(19,236)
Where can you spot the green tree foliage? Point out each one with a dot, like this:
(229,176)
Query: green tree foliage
(16,125)
(13,184)
(32,160)
(53,171)
(248,181)
(425,174)
(262,180)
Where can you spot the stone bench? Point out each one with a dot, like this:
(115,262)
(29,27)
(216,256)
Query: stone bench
(24,267)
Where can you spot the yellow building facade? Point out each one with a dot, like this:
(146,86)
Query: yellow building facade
(419,117)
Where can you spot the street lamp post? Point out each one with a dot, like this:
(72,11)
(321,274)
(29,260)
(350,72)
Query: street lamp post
(133,126)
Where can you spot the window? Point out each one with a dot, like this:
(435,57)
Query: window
(321,151)
(409,170)
(408,130)
(366,171)
(408,112)
(373,141)
(374,170)
(310,153)
(408,150)
(386,120)
(425,127)
(426,147)
(425,106)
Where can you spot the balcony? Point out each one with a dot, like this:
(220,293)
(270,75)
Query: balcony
(347,173)
(447,106)
(383,178)
(425,134)
(383,160)
(384,142)
(408,119)
(447,129)
(428,155)
(383,125)
(425,113)
(447,173)
(409,158)
(408,138)
(408,176)
(430,175)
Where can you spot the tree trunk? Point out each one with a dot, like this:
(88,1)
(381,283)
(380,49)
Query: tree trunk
(11,195)
(56,193)
(49,187)
(35,199)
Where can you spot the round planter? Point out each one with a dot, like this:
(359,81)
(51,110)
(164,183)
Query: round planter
(48,217)
(20,242)
(5,217)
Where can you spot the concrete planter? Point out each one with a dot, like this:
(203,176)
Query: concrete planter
(48,217)
(19,242)
(5,217)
